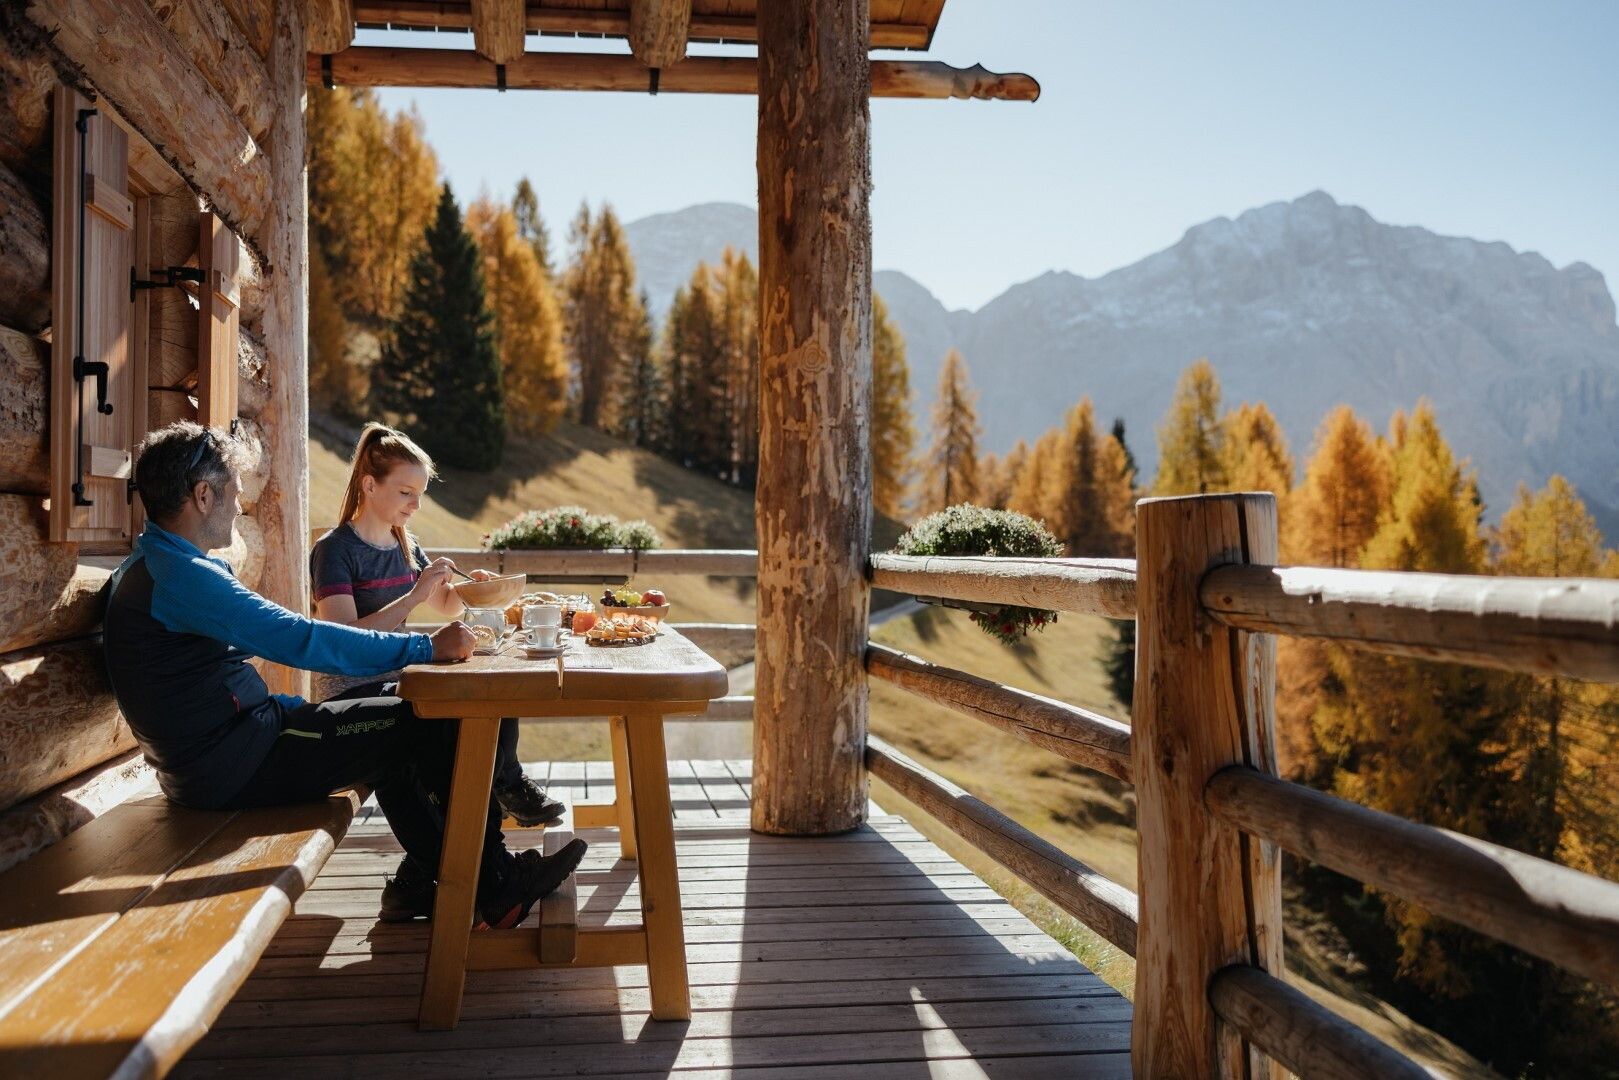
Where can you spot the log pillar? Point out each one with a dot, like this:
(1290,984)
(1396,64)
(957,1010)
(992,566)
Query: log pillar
(1204,699)
(283,507)
(813,507)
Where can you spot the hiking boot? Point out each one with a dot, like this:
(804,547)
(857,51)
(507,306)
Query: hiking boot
(408,895)
(532,878)
(529,804)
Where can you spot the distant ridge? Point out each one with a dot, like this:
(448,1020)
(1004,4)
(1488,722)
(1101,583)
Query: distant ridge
(1302,304)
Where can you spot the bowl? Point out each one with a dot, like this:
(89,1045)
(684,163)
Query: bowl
(496,592)
(657,613)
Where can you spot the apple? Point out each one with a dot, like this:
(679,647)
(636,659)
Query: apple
(654,598)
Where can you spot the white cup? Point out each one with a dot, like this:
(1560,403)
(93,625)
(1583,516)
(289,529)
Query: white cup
(544,637)
(538,616)
(494,618)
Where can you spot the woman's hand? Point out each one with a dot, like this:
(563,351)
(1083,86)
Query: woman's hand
(434,576)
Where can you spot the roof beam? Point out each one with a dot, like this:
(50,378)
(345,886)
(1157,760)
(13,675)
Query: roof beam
(658,30)
(376,66)
(330,27)
(436,15)
(497,29)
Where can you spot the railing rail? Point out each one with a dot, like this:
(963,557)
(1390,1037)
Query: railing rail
(1545,626)
(1089,586)
(616,562)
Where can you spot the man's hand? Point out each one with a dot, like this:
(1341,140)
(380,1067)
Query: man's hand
(453,641)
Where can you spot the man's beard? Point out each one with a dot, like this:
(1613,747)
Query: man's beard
(221,527)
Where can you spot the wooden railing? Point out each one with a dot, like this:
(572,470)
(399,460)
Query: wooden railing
(1212,812)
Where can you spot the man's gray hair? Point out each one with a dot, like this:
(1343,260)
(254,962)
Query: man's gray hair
(172,460)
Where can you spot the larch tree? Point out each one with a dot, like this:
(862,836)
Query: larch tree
(737,389)
(693,358)
(335,382)
(531,226)
(603,316)
(643,413)
(1075,488)
(527,320)
(1031,487)
(1191,440)
(951,475)
(1256,453)
(893,436)
(439,374)
(1116,486)
(998,474)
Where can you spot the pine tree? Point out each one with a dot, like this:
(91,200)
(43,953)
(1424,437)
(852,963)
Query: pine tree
(952,468)
(692,349)
(439,374)
(1346,488)
(644,415)
(1118,434)
(1191,440)
(1031,487)
(531,226)
(527,321)
(1256,454)
(1119,664)
(1075,495)
(603,315)
(1116,490)
(893,437)
(997,475)
(737,389)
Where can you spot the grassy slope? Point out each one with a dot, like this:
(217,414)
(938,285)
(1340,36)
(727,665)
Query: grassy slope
(1081,812)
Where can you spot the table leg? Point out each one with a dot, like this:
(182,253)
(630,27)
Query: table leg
(660,881)
(621,781)
(454,905)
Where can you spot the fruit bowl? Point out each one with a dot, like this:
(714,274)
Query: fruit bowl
(657,613)
(496,592)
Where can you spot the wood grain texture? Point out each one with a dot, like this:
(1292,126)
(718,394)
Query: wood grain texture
(705,25)
(223,55)
(138,994)
(659,878)
(1100,904)
(217,320)
(1104,587)
(559,912)
(27,82)
(25,257)
(46,594)
(330,25)
(25,459)
(256,19)
(165,98)
(1079,735)
(283,509)
(1558,914)
(813,506)
(1201,704)
(1544,626)
(376,65)
(658,30)
(37,823)
(1303,1036)
(57,717)
(497,29)
(623,800)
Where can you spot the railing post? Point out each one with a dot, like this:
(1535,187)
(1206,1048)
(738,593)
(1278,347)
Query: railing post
(1204,699)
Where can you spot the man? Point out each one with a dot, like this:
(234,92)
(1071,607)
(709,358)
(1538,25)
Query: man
(179,632)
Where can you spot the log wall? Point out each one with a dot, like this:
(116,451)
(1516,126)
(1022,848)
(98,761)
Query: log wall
(202,114)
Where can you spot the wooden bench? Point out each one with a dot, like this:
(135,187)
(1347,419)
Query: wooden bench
(120,944)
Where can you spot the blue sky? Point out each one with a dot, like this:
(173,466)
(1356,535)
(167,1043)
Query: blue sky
(1479,118)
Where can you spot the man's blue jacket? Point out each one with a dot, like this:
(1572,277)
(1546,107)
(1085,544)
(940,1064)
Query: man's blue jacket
(179,632)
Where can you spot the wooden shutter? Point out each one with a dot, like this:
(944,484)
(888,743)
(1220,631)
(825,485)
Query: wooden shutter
(93,324)
(218,300)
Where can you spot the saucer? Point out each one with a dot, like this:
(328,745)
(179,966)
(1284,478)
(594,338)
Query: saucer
(541,652)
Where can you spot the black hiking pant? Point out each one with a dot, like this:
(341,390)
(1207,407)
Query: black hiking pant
(366,736)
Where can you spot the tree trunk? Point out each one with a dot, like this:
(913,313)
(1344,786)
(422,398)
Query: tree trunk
(27,81)
(813,505)
(57,717)
(283,508)
(25,258)
(165,98)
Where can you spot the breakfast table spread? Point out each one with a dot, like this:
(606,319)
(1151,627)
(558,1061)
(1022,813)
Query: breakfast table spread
(636,686)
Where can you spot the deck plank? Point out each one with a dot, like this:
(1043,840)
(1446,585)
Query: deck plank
(872,953)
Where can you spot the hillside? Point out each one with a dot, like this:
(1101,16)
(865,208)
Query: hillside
(1301,304)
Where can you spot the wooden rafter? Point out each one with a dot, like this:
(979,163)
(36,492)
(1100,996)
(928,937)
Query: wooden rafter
(541,19)
(658,30)
(375,66)
(331,25)
(497,29)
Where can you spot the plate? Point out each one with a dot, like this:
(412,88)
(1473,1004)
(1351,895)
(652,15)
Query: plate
(537,652)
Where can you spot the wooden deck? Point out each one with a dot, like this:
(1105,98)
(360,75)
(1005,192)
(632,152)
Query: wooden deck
(871,954)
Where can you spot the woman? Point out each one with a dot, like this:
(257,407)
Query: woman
(371,573)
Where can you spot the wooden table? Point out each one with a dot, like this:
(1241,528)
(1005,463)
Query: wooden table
(637,686)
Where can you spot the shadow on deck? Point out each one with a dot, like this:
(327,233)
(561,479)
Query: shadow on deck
(872,953)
